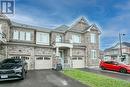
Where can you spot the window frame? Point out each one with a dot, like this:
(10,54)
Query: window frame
(74,38)
(28,39)
(59,38)
(14,35)
(93,38)
(22,37)
(40,40)
(94,54)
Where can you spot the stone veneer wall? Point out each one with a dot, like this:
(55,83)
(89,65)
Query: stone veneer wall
(31,52)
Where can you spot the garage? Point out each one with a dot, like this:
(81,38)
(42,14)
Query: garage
(43,62)
(78,62)
(26,58)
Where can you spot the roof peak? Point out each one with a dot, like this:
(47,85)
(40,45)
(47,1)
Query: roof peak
(82,19)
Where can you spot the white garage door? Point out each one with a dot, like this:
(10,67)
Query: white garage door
(43,63)
(26,58)
(78,62)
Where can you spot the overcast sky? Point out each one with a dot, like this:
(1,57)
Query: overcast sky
(113,16)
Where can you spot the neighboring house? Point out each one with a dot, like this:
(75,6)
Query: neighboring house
(101,55)
(75,46)
(113,53)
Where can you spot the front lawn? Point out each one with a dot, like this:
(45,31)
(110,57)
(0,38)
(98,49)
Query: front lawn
(95,80)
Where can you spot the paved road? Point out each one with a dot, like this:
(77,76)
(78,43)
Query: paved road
(108,73)
(43,78)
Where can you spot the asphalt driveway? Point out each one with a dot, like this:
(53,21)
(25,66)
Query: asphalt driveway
(112,74)
(43,78)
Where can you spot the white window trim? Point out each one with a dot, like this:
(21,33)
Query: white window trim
(16,34)
(59,38)
(40,40)
(28,36)
(93,38)
(22,37)
(93,54)
(76,38)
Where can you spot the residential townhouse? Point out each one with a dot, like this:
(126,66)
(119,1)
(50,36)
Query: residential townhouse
(113,53)
(75,46)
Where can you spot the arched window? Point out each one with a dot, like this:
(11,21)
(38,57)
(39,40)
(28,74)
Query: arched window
(58,38)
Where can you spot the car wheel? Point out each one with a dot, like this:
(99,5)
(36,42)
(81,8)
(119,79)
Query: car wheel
(23,75)
(123,70)
(102,68)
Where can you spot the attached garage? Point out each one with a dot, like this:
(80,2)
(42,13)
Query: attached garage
(26,58)
(43,62)
(78,62)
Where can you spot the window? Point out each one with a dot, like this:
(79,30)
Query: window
(93,54)
(58,38)
(46,58)
(93,38)
(28,36)
(108,62)
(76,38)
(42,38)
(79,58)
(22,35)
(39,58)
(74,58)
(16,35)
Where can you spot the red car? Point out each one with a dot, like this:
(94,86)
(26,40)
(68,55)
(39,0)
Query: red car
(114,66)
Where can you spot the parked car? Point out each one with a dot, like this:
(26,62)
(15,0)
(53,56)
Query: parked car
(115,66)
(12,69)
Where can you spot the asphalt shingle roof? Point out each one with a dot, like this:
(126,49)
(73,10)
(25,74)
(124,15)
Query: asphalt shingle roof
(30,26)
(123,43)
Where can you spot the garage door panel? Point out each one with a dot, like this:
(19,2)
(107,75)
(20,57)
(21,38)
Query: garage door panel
(78,62)
(43,63)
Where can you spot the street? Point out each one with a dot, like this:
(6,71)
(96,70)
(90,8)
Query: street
(43,78)
(112,74)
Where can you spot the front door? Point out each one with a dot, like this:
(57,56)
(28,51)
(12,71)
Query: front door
(61,57)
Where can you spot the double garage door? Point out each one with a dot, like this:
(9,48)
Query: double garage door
(43,62)
(78,62)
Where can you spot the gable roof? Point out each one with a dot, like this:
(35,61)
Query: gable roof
(79,26)
(81,23)
(61,28)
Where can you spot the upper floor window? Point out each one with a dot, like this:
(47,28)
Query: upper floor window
(42,38)
(28,36)
(58,38)
(93,54)
(93,38)
(76,38)
(22,35)
(16,35)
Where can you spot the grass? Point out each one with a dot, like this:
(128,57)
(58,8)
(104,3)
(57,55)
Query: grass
(95,80)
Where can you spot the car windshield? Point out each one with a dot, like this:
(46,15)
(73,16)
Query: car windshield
(11,61)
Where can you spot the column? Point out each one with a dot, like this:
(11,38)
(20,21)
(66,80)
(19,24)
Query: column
(57,51)
(71,64)
(70,52)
